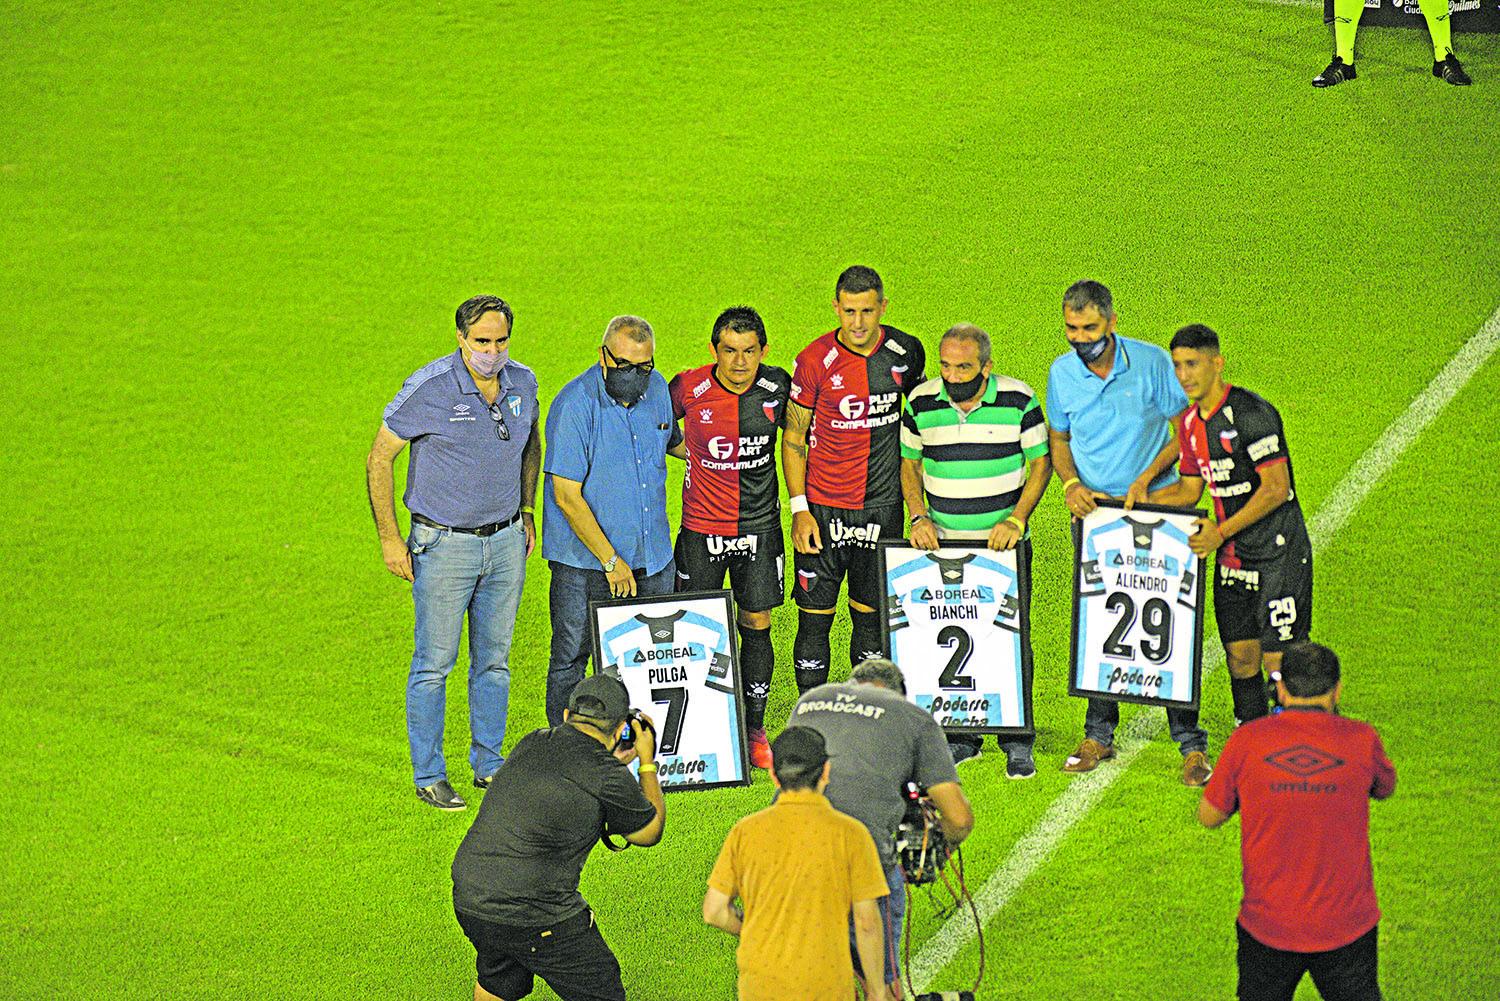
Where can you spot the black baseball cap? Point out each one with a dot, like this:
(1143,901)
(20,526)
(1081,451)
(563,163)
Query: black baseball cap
(600,690)
(799,749)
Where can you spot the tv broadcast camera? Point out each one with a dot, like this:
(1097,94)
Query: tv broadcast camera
(923,851)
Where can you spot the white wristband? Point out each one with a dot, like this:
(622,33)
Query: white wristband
(798,504)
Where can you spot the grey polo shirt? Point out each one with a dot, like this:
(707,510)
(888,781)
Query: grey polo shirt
(462,473)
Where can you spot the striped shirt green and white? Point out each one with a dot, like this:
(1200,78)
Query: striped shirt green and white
(974,464)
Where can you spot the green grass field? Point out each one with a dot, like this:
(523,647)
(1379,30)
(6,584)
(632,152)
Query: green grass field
(231,231)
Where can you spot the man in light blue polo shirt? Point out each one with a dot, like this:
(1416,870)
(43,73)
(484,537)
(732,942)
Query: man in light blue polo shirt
(476,456)
(604,530)
(1112,400)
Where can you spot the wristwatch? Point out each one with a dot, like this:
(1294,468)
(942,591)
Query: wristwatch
(609,566)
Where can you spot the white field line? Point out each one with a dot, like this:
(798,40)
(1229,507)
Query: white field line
(1292,3)
(1083,792)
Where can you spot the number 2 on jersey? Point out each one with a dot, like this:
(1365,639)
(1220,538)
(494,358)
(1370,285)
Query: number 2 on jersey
(957,639)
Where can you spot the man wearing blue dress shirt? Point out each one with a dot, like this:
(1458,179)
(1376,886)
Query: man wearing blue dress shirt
(604,522)
(1111,401)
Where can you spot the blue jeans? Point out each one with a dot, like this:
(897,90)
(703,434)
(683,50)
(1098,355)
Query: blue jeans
(458,573)
(1104,715)
(892,916)
(572,631)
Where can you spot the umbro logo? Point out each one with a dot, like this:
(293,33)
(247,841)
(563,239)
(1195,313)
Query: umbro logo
(1303,760)
(953,573)
(460,408)
(661,634)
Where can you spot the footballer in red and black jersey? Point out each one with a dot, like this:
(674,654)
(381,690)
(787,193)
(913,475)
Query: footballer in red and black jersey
(731,486)
(854,443)
(1228,450)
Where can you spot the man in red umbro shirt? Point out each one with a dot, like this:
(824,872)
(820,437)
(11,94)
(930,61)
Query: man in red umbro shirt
(841,454)
(730,412)
(1302,780)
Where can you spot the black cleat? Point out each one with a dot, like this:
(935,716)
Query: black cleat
(1337,72)
(1451,71)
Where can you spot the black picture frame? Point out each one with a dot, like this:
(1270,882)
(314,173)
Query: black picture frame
(722,599)
(1199,607)
(1023,589)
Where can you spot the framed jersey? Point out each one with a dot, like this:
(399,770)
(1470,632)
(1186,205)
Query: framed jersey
(1137,606)
(678,659)
(956,624)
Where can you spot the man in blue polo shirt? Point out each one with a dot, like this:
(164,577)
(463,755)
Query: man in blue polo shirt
(471,420)
(1112,400)
(604,531)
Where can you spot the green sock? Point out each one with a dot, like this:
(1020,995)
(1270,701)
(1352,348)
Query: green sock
(1346,22)
(1436,13)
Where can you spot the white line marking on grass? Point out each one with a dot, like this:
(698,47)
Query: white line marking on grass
(1292,3)
(1084,792)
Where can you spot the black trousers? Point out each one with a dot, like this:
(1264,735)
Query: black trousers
(570,955)
(1344,974)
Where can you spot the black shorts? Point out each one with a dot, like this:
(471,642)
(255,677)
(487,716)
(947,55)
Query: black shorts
(849,547)
(756,562)
(1348,973)
(1270,601)
(570,955)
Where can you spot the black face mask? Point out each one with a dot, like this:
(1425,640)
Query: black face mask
(963,392)
(625,387)
(1093,350)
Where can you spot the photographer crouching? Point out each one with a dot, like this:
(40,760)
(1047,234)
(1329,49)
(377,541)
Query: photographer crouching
(515,876)
(878,744)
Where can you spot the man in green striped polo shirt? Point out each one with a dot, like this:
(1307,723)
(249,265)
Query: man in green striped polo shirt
(973,467)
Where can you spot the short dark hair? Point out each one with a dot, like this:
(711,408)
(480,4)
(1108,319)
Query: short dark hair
(1309,670)
(856,279)
(879,671)
(1196,337)
(798,755)
(1083,294)
(742,320)
(470,310)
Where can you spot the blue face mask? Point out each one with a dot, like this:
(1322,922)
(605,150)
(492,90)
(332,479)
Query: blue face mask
(1093,350)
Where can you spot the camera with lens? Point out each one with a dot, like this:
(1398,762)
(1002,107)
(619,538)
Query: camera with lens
(635,721)
(920,844)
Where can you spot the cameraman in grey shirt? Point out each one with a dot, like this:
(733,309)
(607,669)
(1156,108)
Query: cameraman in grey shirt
(878,741)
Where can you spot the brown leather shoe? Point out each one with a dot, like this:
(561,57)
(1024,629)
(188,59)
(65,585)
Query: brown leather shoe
(1196,768)
(1088,756)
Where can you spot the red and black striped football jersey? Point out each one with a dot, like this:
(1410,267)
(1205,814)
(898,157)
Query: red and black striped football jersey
(854,445)
(1241,437)
(731,487)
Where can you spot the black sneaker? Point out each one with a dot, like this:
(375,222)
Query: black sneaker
(1451,71)
(484,783)
(1337,72)
(442,796)
(962,750)
(1020,765)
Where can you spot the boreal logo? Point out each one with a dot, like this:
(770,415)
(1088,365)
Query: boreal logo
(720,447)
(852,407)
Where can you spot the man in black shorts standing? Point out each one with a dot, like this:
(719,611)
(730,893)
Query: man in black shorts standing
(731,507)
(515,876)
(841,454)
(1232,440)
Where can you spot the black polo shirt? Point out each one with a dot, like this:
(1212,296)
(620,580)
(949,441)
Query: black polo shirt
(520,862)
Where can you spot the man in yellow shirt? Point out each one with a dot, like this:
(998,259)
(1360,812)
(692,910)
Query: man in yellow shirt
(799,867)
